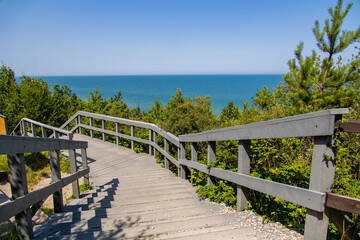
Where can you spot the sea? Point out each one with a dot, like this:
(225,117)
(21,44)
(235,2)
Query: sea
(143,90)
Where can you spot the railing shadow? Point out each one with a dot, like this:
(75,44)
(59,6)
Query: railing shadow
(92,228)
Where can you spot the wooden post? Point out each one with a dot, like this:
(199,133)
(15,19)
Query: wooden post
(33,129)
(56,134)
(132,134)
(70,136)
(56,176)
(80,122)
(24,128)
(321,180)
(194,154)
(117,131)
(43,132)
(156,142)
(73,169)
(84,164)
(67,127)
(211,155)
(166,146)
(182,156)
(77,123)
(18,182)
(150,140)
(243,167)
(103,126)
(91,123)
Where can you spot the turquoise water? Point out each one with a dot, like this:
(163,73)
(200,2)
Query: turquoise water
(143,90)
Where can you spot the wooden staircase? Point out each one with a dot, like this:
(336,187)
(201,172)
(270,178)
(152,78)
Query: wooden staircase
(135,198)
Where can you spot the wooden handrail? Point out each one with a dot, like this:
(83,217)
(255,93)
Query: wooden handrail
(55,131)
(15,147)
(320,125)
(305,125)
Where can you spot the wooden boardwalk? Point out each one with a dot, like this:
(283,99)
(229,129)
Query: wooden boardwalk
(135,198)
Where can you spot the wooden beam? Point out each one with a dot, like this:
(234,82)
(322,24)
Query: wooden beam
(16,206)
(343,203)
(304,197)
(352,126)
(306,125)
(19,144)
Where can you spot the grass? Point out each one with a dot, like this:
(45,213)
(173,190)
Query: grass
(37,166)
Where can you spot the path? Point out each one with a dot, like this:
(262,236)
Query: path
(135,198)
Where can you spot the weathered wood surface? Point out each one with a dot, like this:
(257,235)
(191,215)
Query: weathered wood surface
(134,197)
(320,123)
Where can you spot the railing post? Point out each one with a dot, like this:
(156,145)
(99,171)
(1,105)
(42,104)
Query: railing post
(132,134)
(70,136)
(321,180)
(182,156)
(194,154)
(166,146)
(117,131)
(84,164)
(77,123)
(67,127)
(33,130)
(103,126)
(56,134)
(18,182)
(211,155)
(80,122)
(73,169)
(56,176)
(43,132)
(150,140)
(243,167)
(24,128)
(91,123)
(156,142)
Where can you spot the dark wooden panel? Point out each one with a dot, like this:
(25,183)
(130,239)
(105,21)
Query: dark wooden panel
(352,126)
(343,203)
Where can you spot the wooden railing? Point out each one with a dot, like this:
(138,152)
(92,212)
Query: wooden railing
(320,125)
(24,204)
(39,129)
(152,140)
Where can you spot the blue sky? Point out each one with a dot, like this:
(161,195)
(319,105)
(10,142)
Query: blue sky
(116,37)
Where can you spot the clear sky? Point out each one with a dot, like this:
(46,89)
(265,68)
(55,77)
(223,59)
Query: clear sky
(116,37)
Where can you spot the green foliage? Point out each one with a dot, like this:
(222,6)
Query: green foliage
(85,187)
(10,234)
(183,115)
(220,192)
(47,211)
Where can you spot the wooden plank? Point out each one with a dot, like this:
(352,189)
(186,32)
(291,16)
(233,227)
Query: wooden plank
(20,144)
(352,126)
(14,207)
(304,197)
(311,124)
(343,203)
